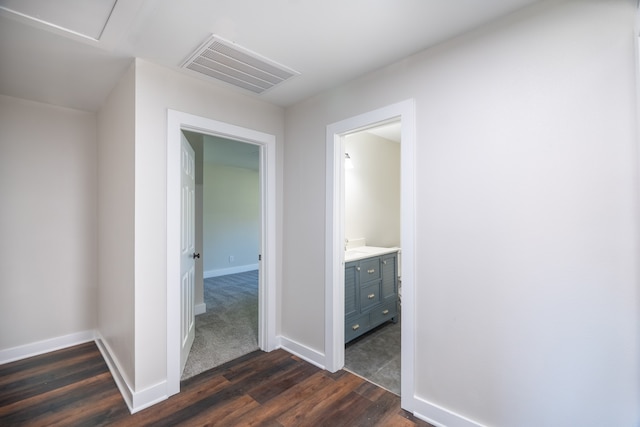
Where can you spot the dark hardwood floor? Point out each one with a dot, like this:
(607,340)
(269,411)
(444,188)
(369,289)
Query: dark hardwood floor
(73,387)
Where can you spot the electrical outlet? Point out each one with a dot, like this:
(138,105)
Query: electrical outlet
(231,259)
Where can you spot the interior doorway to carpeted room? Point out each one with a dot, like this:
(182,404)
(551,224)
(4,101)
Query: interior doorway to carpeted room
(228,219)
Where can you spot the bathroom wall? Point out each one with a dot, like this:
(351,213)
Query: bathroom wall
(372,190)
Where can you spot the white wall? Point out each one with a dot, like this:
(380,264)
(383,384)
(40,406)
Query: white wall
(526,222)
(48,280)
(372,190)
(157,89)
(231,217)
(116,139)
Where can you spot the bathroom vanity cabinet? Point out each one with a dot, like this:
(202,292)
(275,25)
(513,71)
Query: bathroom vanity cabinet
(370,293)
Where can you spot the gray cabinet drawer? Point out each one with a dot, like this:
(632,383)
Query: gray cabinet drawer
(383,313)
(369,295)
(356,326)
(369,269)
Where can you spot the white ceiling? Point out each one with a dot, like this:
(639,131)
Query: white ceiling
(90,19)
(329,42)
(390,131)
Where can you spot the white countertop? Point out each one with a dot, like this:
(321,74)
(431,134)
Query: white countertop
(362,252)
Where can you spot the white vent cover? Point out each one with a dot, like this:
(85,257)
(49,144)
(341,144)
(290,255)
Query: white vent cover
(230,63)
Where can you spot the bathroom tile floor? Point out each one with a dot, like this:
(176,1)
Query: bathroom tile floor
(375,356)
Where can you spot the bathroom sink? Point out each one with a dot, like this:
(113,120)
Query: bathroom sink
(362,252)
(353,253)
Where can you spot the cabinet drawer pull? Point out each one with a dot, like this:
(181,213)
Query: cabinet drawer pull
(371,296)
(384,262)
(385,312)
(355,327)
(358,268)
(371,271)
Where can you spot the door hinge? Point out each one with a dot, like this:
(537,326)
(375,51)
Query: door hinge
(260,257)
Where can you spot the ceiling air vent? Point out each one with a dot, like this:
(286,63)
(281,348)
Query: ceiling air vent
(223,60)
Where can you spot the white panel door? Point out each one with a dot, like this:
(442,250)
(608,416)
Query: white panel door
(187,250)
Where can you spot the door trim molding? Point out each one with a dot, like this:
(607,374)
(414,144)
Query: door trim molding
(177,121)
(334,239)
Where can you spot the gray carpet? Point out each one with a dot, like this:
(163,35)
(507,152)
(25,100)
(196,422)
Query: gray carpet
(229,328)
(375,356)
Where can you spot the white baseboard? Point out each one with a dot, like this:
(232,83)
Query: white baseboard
(231,270)
(439,416)
(149,396)
(45,346)
(200,308)
(135,400)
(125,389)
(302,351)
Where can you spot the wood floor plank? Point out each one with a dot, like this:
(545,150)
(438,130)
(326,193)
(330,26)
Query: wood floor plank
(276,389)
(267,361)
(371,391)
(345,410)
(312,410)
(94,411)
(44,364)
(398,420)
(278,384)
(58,398)
(223,414)
(60,376)
(47,358)
(267,413)
(385,406)
(186,398)
(240,379)
(220,370)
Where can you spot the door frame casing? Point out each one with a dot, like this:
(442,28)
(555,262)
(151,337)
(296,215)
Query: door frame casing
(334,238)
(176,122)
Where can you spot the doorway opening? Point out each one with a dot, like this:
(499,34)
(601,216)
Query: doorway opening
(335,329)
(373,255)
(227,238)
(177,123)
